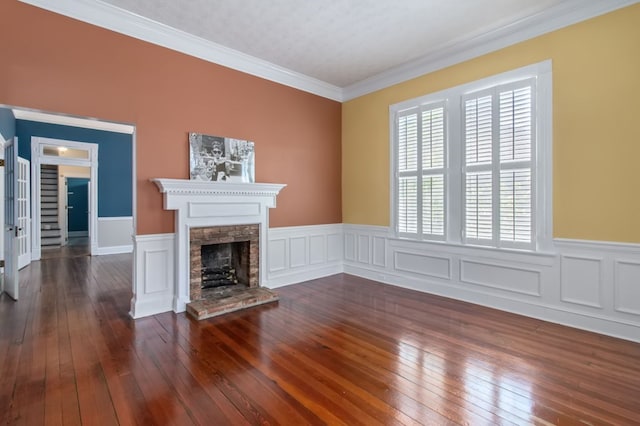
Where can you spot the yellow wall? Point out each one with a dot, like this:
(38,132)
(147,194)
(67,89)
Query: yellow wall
(596,128)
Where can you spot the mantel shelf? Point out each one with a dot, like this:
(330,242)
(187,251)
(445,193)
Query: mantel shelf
(195,187)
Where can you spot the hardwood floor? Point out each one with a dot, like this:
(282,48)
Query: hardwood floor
(338,350)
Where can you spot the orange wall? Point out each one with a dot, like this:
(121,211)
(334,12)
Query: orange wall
(53,63)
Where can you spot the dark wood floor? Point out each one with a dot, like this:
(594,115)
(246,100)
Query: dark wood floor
(339,350)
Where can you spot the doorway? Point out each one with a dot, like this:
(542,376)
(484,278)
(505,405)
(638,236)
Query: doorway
(69,155)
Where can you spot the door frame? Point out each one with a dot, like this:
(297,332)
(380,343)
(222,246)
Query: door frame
(2,142)
(10,275)
(38,158)
(23,240)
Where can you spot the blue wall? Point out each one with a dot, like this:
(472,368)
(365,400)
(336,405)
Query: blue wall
(7,123)
(115,161)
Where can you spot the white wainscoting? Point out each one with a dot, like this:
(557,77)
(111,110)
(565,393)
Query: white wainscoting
(115,235)
(302,253)
(153,274)
(589,285)
(584,284)
(293,254)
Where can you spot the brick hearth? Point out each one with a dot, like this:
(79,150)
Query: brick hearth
(216,301)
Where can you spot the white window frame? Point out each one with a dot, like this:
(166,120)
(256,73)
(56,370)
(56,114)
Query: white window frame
(542,220)
(420,173)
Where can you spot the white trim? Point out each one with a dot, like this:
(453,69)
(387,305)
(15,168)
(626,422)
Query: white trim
(457,51)
(542,179)
(570,243)
(114,232)
(37,159)
(302,253)
(119,20)
(101,251)
(530,284)
(69,120)
(539,297)
(199,204)
(153,274)
(113,18)
(114,218)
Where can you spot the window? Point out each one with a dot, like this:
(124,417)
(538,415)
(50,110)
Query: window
(472,164)
(421,160)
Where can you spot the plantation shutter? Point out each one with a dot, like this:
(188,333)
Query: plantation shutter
(420,183)
(433,161)
(478,148)
(516,148)
(498,169)
(407,189)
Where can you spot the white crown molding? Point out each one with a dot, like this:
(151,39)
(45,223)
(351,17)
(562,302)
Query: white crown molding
(119,20)
(555,18)
(67,120)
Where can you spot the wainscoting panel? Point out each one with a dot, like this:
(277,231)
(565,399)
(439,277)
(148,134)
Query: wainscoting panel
(364,249)
(115,235)
(350,246)
(590,285)
(507,278)
(627,286)
(317,249)
(379,251)
(308,251)
(581,280)
(298,249)
(334,247)
(277,254)
(154,277)
(438,267)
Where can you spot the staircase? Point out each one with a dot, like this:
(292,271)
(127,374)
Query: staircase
(50,236)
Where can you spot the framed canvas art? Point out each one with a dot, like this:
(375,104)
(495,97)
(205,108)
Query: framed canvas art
(221,159)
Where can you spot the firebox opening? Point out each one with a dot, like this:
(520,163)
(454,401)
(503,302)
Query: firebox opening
(225,264)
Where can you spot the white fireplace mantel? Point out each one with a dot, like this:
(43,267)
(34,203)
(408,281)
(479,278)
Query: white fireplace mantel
(199,203)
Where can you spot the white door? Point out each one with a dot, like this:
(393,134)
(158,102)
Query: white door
(10,219)
(24,209)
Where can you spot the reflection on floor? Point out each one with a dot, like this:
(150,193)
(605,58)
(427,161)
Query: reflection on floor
(75,247)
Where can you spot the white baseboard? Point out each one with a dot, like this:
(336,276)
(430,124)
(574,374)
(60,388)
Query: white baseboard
(100,251)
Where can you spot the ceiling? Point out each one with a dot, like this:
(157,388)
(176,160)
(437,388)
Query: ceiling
(342,47)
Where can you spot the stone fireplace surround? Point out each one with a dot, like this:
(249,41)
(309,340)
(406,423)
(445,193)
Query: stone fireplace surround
(214,204)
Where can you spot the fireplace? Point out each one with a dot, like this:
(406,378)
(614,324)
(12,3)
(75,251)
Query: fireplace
(221,255)
(213,213)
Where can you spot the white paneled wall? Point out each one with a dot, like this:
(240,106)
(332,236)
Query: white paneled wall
(154,275)
(589,285)
(302,253)
(115,235)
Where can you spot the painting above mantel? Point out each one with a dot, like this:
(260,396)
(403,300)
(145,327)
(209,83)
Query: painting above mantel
(220,159)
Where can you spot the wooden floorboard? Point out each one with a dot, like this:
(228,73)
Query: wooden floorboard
(337,350)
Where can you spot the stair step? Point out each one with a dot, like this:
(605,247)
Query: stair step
(50,233)
(49,188)
(48,199)
(49,206)
(50,241)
